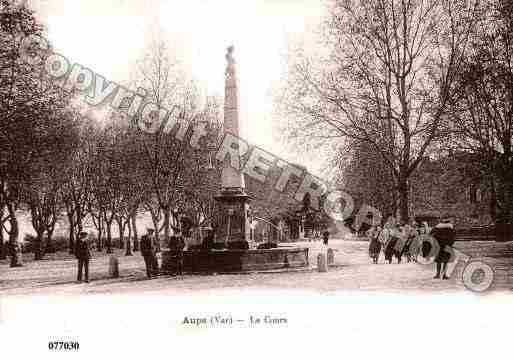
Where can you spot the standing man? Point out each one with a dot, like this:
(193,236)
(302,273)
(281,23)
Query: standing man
(154,239)
(445,235)
(325,237)
(180,245)
(146,247)
(83,255)
(208,241)
(374,244)
(155,249)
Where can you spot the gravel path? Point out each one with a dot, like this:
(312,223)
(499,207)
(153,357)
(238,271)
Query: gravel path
(353,271)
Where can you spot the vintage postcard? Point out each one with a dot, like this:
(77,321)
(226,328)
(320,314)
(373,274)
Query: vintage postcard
(260,178)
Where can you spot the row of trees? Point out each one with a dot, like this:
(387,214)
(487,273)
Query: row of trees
(60,162)
(36,128)
(401,80)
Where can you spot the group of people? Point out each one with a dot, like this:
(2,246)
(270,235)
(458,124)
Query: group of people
(407,240)
(149,250)
(148,246)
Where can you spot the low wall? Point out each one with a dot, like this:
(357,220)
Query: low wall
(236,260)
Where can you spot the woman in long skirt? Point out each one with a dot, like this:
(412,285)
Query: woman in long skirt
(394,235)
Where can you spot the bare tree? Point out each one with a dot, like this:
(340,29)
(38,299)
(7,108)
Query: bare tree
(164,154)
(75,206)
(386,80)
(201,179)
(129,178)
(376,190)
(76,188)
(105,180)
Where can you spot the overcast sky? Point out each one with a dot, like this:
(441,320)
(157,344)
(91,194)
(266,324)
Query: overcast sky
(110,36)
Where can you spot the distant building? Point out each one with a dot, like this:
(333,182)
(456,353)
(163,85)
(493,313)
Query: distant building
(281,210)
(451,186)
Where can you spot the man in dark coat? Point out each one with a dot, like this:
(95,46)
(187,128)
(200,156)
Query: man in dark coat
(83,255)
(15,251)
(146,247)
(208,242)
(325,237)
(156,248)
(180,245)
(445,235)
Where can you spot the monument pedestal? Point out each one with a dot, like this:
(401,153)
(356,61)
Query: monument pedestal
(233,223)
(230,253)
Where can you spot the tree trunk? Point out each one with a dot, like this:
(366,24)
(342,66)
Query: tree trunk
(394,204)
(13,236)
(121,230)
(122,238)
(71,234)
(38,255)
(78,224)
(99,244)
(3,251)
(403,200)
(155,224)
(157,230)
(133,223)
(167,215)
(108,243)
(103,235)
(128,245)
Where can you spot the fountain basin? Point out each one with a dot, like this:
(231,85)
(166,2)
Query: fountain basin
(235,260)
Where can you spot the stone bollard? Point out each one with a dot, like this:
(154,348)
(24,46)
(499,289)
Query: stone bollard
(331,257)
(321,263)
(113,267)
(155,264)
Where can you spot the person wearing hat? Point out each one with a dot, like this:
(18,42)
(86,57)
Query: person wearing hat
(445,235)
(156,249)
(150,233)
(325,237)
(208,242)
(147,251)
(83,255)
(180,245)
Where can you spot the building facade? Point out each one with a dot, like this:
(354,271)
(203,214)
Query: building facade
(452,186)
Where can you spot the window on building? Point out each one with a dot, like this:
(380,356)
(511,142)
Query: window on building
(478,195)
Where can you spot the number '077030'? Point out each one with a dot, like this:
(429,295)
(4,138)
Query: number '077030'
(63,345)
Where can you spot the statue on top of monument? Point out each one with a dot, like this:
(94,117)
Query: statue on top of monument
(230,66)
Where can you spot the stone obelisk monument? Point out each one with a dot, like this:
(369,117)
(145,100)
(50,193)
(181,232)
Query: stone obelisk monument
(232,219)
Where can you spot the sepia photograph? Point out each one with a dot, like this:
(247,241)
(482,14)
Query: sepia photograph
(286,177)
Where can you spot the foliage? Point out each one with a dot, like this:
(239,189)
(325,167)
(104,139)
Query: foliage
(386,79)
(35,131)
(368,180)
(483,112)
